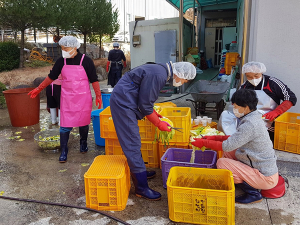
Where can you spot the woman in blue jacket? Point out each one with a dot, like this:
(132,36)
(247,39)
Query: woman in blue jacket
(131,100)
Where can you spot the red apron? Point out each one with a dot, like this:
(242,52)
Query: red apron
(76,98)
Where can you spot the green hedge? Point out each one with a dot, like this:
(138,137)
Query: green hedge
(2,98)
(9,56)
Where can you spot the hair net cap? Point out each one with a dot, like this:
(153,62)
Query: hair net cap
(69,41)
(184,70)
(116,44)
(254,67)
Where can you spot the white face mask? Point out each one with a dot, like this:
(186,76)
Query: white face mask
(237,113)
(66,54)
(176,84)
(255,82)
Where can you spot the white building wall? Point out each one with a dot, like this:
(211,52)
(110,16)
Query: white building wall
(150,9)
(275,40)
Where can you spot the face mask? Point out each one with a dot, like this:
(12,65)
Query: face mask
(255,82)
(66,54)
(237,113)
(176,84)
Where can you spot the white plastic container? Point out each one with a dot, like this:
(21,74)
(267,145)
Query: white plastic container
(209,120)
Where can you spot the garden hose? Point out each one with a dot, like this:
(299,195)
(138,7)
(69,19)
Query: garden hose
(65,205)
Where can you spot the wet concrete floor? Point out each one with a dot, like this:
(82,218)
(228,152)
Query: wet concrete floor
(30,173)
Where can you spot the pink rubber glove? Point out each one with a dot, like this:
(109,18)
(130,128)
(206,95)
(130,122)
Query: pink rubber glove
(283,107)
(214,145)
(98,100)
(161,125)
(37,90)
(216,137)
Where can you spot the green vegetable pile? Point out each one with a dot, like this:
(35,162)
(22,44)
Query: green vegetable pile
(49,142)
(199,133)
(165,136)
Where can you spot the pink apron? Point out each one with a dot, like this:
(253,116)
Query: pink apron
(76,98)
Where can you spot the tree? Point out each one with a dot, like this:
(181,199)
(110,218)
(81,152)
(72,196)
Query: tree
(109,24)
(95,17)
(19,15)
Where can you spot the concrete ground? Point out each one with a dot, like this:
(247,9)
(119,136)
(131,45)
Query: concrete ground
(29,173)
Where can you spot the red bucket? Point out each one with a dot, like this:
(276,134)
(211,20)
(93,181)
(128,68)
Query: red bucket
(277,191)
(23,110)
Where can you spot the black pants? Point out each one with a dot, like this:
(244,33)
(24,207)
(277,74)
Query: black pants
(53,96)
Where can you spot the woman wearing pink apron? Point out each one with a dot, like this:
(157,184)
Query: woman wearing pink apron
(76,70)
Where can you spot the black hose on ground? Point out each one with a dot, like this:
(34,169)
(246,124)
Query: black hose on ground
(64,205)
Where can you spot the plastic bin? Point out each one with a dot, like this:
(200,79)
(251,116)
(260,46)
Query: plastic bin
(287,132)
(231,60)
(23,110)
(96,125)
(148,150)
(201,196)
(107,127)
(162,148)
(107,183)
(105,100)
(181,117)
(105,93)
(181,157)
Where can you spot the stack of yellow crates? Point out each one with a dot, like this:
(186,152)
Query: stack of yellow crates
(147,132)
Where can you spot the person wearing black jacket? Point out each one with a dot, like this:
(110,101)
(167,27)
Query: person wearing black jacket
(278,92)
(114,64)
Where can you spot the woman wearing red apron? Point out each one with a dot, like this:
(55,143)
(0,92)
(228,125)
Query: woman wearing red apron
(76,70)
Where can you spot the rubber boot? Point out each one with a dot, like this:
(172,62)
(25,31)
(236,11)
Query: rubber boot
(83,131)
(251,195)
(53,115)
(141,187)
(64,138)
(151,174)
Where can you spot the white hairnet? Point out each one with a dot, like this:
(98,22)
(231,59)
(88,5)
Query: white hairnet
(254,67)
(116,44)
(69,41)
(184,70)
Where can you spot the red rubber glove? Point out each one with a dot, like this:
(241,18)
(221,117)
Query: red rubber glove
(98,100)
(161,125)
(124,62)
(283,107)
(37,90)
(216,137)
(214,145)
(107,66)
(160,116)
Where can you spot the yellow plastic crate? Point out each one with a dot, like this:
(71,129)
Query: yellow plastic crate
(231,60)
(212,125)
(107,183)
(148,149)
(181,118)
(107,127)
(162,148)
(287,132)
(201,196)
